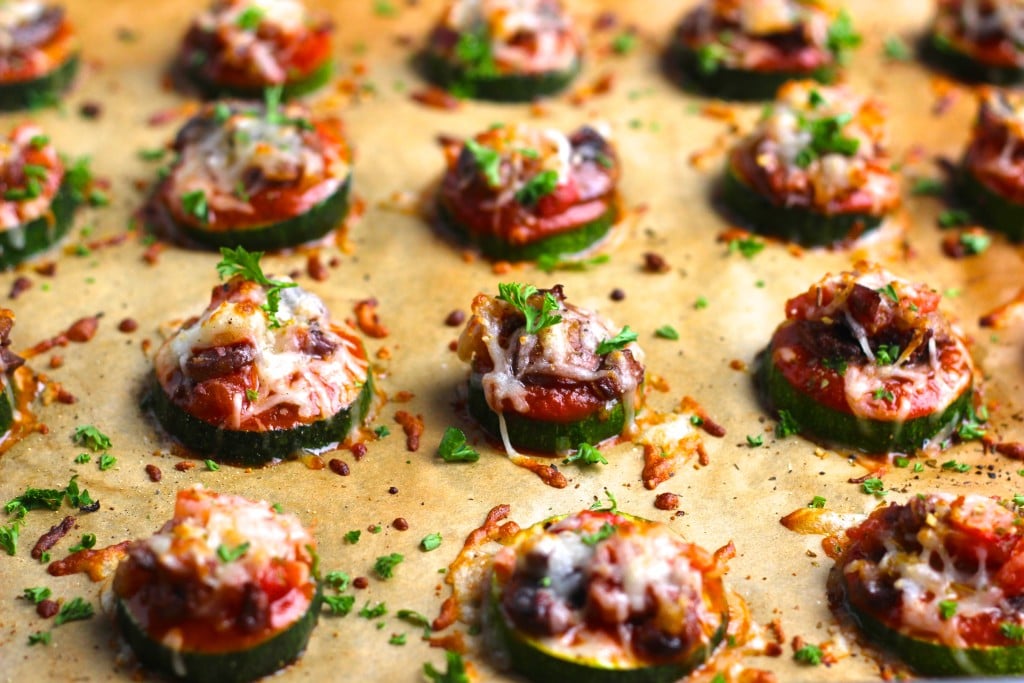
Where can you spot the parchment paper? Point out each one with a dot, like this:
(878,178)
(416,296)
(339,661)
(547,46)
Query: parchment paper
(418,278)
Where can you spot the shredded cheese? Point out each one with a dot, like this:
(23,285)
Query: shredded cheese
(255,48)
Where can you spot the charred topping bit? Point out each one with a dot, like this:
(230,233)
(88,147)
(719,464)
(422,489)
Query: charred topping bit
(655,263)
(413,427)
(400,524)
(51,537)
(154,473)
(666,501)
(368,319)
(339,467)
(455,318)
(127,325)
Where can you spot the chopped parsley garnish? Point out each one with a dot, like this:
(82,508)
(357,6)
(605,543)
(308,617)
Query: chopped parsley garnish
(1012,631)
(952,218)
(972,427)
(613,505)
(397,639)
(667,332)
(890,291)
(487,160)
(352,537)
(518,296)
(817,503)
(896,49)
(75,610)
(696,420)
(887,354)
(194,203)
(88,541)
(211,465)
(338,580)
(385,565)
(39,141)
(431,542)
(755,440)
(616,343)
(809,654)
(842,37)
(384,8)
(227,554)
(474,50)
(927,187)
(455,671)
(606,530)
(624,43)
(82,458)
(900,461)
(836,364)
(709,57)
(454,448)
(250,18)
(883,394)
(947,608)
(36,595)
(873,486)
(975,243)
(221,112)
(749,247)
(378,610)
(786,425)
(247,264)
(91,438)
(537,187)
(826,138)
(79,177)
(701,303)
(40,638)
(155,154)
(956,466)
(76,498)
(9,537)
(34,499)
(381,431)
(106,462)
(586,455)
(339,605)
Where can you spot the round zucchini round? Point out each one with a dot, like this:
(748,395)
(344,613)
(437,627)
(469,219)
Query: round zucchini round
(543,436)
(210,89)
(220,667)
(732,83)
(801,225)
(930,658)
(319,220)
(846,429)
(496,87)
(989,206)
(26,239)
(941,54)
(560,244)
(41,91)
(255,448)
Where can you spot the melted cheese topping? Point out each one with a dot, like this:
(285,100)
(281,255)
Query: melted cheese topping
(238,157)
(525,152)
(15,13)
(528,36)
(286,374)
(930,575)
(981,19)
(785,135)
(205,521)
(249,46)
(566,350)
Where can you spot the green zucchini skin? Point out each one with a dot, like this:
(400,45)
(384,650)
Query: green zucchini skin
(27,239)
(731,83)
(990,207)
(561,244)
(8,399)
(934,659)
(252,448)
(221,667)
(508,88)
(942,56)
(542,436)
(801,225)
(846,429)
(36,92)
(291,89)
(311,225)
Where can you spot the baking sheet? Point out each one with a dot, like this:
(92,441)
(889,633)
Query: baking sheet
(418,278)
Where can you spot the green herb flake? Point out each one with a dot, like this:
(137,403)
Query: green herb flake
(873,486)
(918,467)
(896,49)
(382,431)
(9,537)
(352,537)
(75,610)
(339,605)
(40,638)
(91,438)
(537,187)
(82,458)
(247,264)
(397,639)
(152,154)
(809,655)
(88,541)
(384,567)
(613,505)
(227,554)
(842,37)
(194,204)
(606,530)
(586,454)
(487,160)
(551,262)
(817,503)
(454,448)
(1014,632)
(430,542)
(710,57)
(953,218)
(975,242)
(748,247)
(211,465)
(39,141)
(36,595)
(518,295)
(385,8)
(250,18)
(927,187)
(667,332)
(947,608)
(616,343)
(887,354)
(755,440)
(786,426)
(624,43)
(956,466)
(106,462)
(900,461)
(701,303)
(378,610)
(889,291)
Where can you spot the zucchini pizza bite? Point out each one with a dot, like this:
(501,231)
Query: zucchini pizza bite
(546,376)
(38,54)
(227,590)
(503,50)
(978,40)
(519,193)
(262,373)
(938,581)
(259,176)
(238,48)
(815,170)
(38,195)
(606,597)
(867,361)
(9,362)
(746,49)
(992,172)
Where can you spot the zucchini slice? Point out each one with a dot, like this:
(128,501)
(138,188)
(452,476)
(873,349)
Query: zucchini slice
(801,225)
(309,226)
(254,448)
(940,53)
(935,659)
(220,667)
(8,401)
(496,87)
(290,89)
(563,243)
(731,83)
(24,240)
(542,436)
(41,91)
(989,206)
(846,429)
